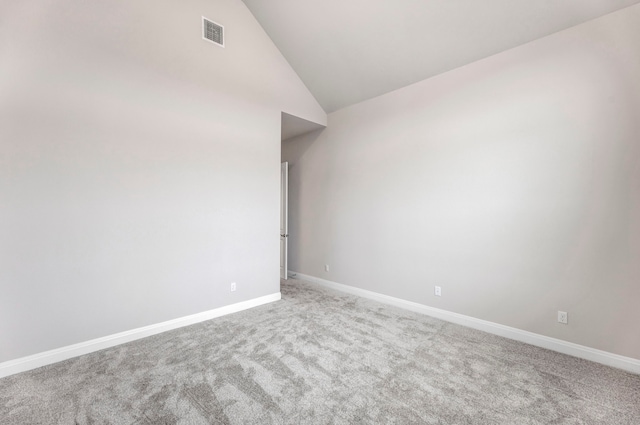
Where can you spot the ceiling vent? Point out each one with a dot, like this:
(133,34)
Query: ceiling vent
(212,32)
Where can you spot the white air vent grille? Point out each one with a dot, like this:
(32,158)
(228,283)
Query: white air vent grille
(212,32)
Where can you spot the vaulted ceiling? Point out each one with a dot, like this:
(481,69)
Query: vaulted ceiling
(347,51)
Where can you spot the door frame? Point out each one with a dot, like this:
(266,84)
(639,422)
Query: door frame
(284,220)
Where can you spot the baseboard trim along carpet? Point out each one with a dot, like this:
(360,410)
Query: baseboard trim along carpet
(614,360)
(53,356)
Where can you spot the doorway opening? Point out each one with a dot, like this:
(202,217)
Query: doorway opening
(290,128)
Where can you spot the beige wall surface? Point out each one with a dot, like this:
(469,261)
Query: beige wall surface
(139,165)
(513,183)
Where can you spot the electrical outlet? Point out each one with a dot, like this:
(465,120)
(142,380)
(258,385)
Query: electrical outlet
(326,267)
(233,286)
(563,317)
(438,291)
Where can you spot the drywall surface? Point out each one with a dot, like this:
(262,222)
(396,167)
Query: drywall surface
(513,183)
(139,165)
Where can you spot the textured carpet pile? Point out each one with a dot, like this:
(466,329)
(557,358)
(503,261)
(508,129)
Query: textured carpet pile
(322,357)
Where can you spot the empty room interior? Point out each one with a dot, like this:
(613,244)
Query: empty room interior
(320,212)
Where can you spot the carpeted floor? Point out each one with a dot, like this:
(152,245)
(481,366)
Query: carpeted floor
(322,357)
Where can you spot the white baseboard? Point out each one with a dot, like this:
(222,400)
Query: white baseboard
(621,362)
(53,356)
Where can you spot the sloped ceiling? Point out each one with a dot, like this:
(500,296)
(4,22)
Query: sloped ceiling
(347,51)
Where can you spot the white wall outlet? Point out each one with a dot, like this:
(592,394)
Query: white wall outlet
(233,286)
(326,267)
(563,317)
(437,291)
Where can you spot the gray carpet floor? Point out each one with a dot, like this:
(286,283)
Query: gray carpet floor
(322,357)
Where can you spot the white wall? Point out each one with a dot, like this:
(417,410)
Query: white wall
(139,165)
(513,183)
